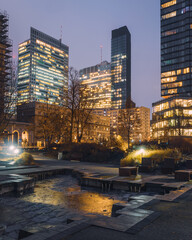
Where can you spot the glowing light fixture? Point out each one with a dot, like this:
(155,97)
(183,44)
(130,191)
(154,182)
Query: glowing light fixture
(11,148)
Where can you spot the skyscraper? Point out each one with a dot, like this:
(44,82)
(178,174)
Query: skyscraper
(120,67)
(5,66)
(42,69)
(176,43)
(98,81)
(172,117)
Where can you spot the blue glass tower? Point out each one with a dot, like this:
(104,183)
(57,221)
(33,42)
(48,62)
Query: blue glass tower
(120,67)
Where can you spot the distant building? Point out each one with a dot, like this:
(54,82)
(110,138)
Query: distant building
(172,117)
(19,133)
(97,129)
(42,69)
(97,80)
(137,119)
(120,67)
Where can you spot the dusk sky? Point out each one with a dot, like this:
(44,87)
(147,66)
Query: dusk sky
(86,24)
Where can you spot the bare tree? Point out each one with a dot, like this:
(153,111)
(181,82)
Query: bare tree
(75,99)
(8,98)
(83,112)
(128,122)
(70,99)
(52,125)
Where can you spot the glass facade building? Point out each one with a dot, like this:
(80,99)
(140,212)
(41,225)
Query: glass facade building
(172,117)
(97,80)
(120,67)
(176,48)
(42,69)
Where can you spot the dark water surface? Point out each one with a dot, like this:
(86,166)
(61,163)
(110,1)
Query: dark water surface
(65,191)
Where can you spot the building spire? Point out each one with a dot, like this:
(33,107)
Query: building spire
(101,47)
(61,33)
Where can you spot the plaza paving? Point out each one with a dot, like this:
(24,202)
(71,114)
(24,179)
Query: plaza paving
(143,217)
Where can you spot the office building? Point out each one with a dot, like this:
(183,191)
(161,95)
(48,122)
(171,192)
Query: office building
(42,69)
(97,82)
(120,67)
(172,117)
(176,62)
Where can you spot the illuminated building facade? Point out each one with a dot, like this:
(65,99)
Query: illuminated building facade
(97,80)
(42,69)
(172,117)
(97,129)
(120,67)
(176,62)
(137,119)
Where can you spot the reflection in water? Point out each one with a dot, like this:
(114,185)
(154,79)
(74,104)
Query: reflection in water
(66,192)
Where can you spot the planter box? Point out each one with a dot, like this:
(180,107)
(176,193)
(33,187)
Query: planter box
(183,175)
(148,165)
(189,164)
(128,171)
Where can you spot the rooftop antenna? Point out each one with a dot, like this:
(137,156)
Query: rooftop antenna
(61,33)
(101,47)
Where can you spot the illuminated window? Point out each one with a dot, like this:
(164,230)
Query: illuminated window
(169,79)
(168,4)
(178,71)
(186,70)
(169,15)
(168,74)
(168,33)
(172,91)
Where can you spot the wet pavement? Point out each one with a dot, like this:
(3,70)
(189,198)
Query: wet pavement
(62,210)
(52,203)
(65,191)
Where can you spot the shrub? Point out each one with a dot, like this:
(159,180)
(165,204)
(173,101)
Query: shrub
(25,159)
(134,158)
(90,152)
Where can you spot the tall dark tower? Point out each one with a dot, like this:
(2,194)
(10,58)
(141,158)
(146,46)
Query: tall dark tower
(5,64)
(120,67)
(172,116)
(176,43)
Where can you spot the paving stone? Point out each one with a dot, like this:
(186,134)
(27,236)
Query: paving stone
(6,238)
(110,223)
(14,234)
(40,219)
(13,228)
(53,221)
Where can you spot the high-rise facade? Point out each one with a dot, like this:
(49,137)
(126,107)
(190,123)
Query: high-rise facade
(97,80)
(42,69)
(5,66)
(120,67)
(176,48)
(172,117)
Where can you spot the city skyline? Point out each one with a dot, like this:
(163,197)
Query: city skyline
(98,20)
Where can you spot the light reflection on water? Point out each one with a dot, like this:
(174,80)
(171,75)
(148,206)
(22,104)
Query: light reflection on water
(66,192)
